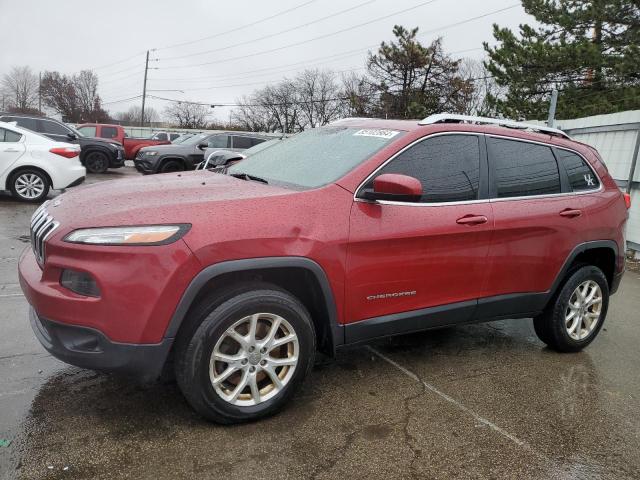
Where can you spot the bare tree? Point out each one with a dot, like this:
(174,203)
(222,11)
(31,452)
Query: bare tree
(20,89)
(476,101)
(252,117)
(318,97)
(187,114)
(74,97)
(132,116)
(360,96)
(86,87)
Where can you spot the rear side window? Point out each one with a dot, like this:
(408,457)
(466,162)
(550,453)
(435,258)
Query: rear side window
(173,136)
(448,167)
(581,176)
(242,142)
(9,136)
(52,128)
(522,169)
(108,132)
(28,123)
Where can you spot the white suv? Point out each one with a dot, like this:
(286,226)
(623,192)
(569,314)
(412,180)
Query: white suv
(31,164)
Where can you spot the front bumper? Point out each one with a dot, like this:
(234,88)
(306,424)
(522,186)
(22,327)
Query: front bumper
(88,348)
(117,160)
(144,165)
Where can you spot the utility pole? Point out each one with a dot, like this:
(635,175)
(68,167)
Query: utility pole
(552,109)
(144,89)
(40,93)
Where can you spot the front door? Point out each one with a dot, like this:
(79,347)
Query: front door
(404,257)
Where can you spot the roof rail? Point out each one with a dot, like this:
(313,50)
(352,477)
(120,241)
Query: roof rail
(502,122)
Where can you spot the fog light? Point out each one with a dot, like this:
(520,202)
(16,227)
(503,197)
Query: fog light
(81,283)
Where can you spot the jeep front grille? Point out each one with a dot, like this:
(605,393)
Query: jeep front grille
(42,226)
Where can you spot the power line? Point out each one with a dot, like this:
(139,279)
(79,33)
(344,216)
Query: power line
(275,34)
(122,100)
(237,28)
(303,42)
(118,62)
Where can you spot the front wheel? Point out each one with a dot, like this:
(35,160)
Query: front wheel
(247,356)
(575,316)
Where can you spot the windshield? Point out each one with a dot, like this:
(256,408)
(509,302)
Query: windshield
(196,139)
(182,138)
(315,157)
(76,131)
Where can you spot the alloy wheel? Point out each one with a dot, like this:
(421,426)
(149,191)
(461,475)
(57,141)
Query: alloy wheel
(254,359)
(29,186)
(584,309)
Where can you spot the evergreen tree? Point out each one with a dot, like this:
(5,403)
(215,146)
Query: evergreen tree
(589,50)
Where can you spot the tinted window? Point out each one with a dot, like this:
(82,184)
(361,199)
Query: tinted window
(88,131)
(160,136)
(52,128)
(448,167)
(9,136)
(28,123)
(108,132)
(257,141)
(522,169)
(173,136)
(581,177)
(218,141)
(242,142)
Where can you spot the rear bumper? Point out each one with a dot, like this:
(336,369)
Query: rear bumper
(89,348)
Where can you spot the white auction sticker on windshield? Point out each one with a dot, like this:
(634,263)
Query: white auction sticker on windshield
(375,132)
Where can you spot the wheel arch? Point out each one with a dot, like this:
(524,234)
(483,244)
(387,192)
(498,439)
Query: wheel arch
(293,274)
(170,158)
(601,253)
(86,150)
(18,169)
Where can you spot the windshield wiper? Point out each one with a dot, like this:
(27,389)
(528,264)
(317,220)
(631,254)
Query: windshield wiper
(246,176)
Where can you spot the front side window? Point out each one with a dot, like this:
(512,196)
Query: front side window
(52,128)
(522,169)
(317,156)
(9,136)
(447,166)
(218,141)
(581,176)
(109,132)
(88,131)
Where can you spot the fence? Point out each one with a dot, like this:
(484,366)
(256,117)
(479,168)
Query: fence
(616,136)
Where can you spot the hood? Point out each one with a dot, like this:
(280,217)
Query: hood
(170,148)
(96,140)
(156,199)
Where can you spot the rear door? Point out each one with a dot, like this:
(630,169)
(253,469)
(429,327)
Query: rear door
(406,256)
(538,219)
(11,149)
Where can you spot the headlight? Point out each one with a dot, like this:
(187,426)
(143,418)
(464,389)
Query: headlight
(139,235)
(115,145)
(150,154)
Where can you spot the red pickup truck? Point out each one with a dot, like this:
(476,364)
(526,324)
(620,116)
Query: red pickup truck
(116,132)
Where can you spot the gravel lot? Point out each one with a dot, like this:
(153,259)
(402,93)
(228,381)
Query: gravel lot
(482,401)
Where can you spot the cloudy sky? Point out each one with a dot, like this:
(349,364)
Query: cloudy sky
(215,52)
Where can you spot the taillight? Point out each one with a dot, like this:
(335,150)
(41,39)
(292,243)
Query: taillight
(627,200)
(67,152)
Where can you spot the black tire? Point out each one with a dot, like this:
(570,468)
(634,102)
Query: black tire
(209,322)
(19,181)
(170,166)
(550,326)
(96,162)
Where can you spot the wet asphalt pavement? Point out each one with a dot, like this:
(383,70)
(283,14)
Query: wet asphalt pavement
(482,401)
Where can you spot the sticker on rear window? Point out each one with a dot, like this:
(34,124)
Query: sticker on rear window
(374,132)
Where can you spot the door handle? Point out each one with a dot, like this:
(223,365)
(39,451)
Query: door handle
(570,213)
(472,220)
(11,150)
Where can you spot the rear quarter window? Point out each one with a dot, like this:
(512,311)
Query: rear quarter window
(581,176)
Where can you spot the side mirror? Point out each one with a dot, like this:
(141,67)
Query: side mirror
(203,146)
(72,136)
(394,187)
(222,160)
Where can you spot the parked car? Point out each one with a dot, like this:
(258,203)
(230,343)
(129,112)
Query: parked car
(165,136)
(339,235)
(116,132)
(221,158)
(32,164)
(96,154)
(188,154)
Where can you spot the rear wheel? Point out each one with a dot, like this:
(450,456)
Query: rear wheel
(247,355)
(574,318)
(29,185)
(171,166)
(96,162)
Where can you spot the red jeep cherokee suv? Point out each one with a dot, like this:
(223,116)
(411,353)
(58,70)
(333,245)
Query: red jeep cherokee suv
(338,235)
